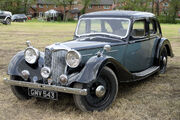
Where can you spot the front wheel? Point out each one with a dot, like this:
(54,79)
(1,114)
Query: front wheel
(102,92)
(8,21)
(20,92)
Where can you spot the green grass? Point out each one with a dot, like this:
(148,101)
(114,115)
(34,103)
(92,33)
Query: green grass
(156,98)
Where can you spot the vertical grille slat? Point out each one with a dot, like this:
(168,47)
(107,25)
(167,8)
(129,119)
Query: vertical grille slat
(58,64)
(48,57)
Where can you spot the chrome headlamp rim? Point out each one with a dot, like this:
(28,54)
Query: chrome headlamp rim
(36,52)
(79,55)
(47,74)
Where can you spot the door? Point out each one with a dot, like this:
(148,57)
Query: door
(155,35)
(137,57)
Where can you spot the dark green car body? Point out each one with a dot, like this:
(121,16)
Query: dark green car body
(128,56)
(131,48)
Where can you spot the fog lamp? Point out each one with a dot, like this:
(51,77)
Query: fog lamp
(45,72)
(25,74)
(63,79)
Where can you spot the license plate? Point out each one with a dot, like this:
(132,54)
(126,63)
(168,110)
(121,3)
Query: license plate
(43,93)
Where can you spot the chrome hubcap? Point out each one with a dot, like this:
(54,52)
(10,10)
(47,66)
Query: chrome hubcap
(164,60)
(100,91)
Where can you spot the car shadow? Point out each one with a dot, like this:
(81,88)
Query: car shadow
(66,102)
(126,88)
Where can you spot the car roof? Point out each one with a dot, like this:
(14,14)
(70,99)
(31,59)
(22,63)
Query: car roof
(19,14)
(119,13)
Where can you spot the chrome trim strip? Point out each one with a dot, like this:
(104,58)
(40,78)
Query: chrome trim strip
(46,87)
(112,51)
(113,35)
(87,55)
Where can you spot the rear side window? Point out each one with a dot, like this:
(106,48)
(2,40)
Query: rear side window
(158,29)
(138,28)
(152,27)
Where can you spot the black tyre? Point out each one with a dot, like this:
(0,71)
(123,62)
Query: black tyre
(20,92)
(163,60)
(102,92)
(8,21)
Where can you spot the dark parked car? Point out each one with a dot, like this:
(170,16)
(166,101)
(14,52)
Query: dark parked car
(5,17)
(108,48)
(19,18)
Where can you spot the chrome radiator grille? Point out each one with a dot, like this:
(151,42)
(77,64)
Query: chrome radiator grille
(2,17)
(48,57)
(58,64)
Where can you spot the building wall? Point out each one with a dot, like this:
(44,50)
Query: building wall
(93,8)
(40,9)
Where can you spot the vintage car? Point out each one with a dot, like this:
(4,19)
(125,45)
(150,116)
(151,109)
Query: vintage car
(108,48)
(5,17)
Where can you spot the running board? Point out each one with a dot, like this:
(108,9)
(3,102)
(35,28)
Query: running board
(146,72)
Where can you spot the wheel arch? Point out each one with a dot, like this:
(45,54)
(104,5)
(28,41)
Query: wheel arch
(164,42)
(168,50)
(114,69)
(17,64)
(94,66)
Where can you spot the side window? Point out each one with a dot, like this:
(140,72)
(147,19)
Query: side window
(152,29)
(139,29)
(108,27)
(82,27)
(158,29)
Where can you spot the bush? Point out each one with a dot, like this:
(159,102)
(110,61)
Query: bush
(167,19)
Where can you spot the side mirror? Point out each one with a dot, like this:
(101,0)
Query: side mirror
(107,48)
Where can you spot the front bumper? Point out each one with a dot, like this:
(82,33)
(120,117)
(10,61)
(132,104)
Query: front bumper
(46,87)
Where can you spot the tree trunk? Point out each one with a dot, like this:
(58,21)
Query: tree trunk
(152,6)
(64,14)
(157,7)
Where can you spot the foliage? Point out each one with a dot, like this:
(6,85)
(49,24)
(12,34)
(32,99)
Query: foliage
(173,9)
(65,4)
(16,6)
(86,3)
(138,5)
(168,15)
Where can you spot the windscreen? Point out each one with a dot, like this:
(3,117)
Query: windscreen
(111,26)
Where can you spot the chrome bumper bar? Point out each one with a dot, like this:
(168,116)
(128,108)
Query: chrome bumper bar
(46,87)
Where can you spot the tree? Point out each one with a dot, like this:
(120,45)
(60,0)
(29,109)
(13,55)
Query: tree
(10,5)
(16,6)
(65,4)
(27,4)
(173,9)
(157,7)
(152,9)
(86,3)
(138,5)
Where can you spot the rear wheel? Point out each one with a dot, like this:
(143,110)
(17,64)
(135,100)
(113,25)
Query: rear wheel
(20,92)
(102,92)
(163,60)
